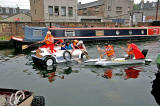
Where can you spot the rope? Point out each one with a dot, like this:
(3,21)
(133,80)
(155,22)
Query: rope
(17,96)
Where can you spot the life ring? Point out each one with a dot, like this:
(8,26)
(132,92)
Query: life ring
(49,61)
(84,55)
(67,55)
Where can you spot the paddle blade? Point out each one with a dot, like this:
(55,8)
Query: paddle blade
(24,47)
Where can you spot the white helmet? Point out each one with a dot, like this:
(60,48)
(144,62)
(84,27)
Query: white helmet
(49,33)
(80,42)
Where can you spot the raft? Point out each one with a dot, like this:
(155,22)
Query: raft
(116,62)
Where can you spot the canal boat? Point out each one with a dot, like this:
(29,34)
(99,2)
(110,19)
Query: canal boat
(13,97)
(35,34)
(118,61)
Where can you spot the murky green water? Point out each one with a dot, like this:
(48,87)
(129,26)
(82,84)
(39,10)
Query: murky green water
(73,84)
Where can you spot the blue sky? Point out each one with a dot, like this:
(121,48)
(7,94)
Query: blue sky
(24,4)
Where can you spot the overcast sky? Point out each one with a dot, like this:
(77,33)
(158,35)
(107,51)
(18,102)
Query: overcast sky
(24,4)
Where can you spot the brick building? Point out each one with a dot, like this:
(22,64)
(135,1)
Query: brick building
(107,10)
(8,11)
(54,10)
(147,11)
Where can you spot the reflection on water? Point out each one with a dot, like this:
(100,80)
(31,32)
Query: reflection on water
(156,88)
(53,73)
(123,73)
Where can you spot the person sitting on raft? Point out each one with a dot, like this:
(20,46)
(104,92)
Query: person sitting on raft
(80,45)
(109,52)
(67,46)
(49,42)
(74,44)
(133,51)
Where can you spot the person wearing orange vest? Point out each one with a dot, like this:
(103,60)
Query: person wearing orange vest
(49,42)
(129,51)
(133,51)
(109,51)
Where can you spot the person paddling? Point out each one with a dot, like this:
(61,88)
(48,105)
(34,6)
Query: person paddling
(133,51)
(109,52)
(49,42)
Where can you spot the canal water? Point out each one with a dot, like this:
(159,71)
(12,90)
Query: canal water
(73,84)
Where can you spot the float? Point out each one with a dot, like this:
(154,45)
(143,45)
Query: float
(118,61)
(43,57)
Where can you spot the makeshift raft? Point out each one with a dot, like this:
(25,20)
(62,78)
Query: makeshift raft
(116,62)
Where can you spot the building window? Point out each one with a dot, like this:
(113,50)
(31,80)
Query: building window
(69,33)
(70,11)
(56,10)
(1,11)
(129,9)
(63,11)
(97,9)
(119,10)
(37,32)
(14,11)
(109,8)
(7,10)
(50,10)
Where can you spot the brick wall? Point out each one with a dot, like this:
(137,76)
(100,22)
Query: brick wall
(16,28)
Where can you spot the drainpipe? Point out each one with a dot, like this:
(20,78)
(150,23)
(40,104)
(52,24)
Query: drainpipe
(157,10)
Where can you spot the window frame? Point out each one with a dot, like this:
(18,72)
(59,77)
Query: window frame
(69,32)
(50,11)
(70,13)
(63,7)
(56,12)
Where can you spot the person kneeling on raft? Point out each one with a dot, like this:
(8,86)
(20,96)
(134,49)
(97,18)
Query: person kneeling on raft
(133,51)
(108,51)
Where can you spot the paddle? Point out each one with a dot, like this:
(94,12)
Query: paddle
(26,46)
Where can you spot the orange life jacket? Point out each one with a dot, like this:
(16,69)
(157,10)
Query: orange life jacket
(109,50)
(49,39)
(129,50)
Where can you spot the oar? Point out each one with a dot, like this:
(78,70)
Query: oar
(26,46)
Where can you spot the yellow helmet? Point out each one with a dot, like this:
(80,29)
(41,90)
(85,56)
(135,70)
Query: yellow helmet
(76,41)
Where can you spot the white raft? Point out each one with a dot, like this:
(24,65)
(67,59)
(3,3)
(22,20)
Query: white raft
(116,62)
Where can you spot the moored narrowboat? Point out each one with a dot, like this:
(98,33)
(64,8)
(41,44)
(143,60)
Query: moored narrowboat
(35,34)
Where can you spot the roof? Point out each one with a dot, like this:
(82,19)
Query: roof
(18,17)
(91,4)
